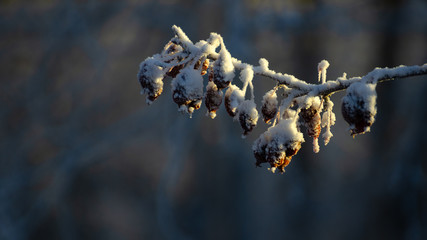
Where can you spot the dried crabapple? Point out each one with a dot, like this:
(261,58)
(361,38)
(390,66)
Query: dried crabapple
(269,105)
(187,90)
(278,145)
(213,99)
(359,107)
(232,99)
(151,77)
(247,116)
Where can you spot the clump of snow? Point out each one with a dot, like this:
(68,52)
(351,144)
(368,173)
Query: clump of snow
(288,114)
(270,98)
(285,131)
(343,78)
(316,147)
(182,36)
(223,69)
(214,41)
(201,43)
(246,76)
(263,63)
(323,65)
(327,136)
(328,120)
(310,101)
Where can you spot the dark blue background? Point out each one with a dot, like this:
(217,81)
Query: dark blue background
(83,157)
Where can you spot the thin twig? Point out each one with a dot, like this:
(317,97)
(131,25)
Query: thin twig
(300,86)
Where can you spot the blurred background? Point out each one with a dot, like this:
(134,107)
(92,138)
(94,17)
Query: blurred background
(83,157)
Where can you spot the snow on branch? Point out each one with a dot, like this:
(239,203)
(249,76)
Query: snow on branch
(301,104)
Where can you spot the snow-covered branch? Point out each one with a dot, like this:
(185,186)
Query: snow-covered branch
(301,104)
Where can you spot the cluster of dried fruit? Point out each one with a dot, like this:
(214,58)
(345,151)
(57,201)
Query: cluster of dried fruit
(283,138)
(187,84)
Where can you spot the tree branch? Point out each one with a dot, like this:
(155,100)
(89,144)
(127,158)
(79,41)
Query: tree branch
(303,88)
(186,62)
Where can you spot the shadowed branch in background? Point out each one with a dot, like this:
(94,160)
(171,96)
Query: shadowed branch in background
(301,103)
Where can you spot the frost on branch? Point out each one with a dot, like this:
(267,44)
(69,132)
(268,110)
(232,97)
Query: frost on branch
(323,65)
(302,105)
(223,69)
(328,120)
